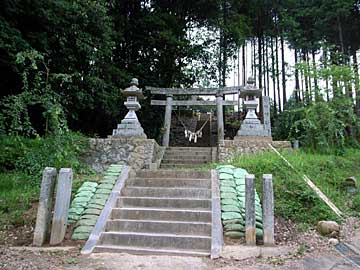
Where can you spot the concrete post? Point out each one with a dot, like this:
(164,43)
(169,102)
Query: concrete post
(43,217)
(220,117)
(268,210)
(250,219)
(266,115)
(167,120)
(62,202)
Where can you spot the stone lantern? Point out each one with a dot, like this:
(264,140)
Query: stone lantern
(130,125)
(251,126)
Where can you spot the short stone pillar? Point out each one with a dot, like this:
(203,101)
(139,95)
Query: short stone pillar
(130,125)
(268,210)
(250,218)
(62,203)
(167,120)
(220,117)
(43,218)
(295,144)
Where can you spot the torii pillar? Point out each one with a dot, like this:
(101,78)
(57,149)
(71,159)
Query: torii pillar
(167,120)
(220,117)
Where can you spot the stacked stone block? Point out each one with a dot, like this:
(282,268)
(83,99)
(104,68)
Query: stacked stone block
(89,209)
(232,193)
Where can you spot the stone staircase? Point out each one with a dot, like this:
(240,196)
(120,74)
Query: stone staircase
(186,157)
(161,212)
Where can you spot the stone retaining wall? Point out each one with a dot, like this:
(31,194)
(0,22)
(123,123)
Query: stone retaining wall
(228,149)
(138,153)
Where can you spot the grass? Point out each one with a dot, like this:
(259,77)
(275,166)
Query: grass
(21,166)
(293,198)
(16,196)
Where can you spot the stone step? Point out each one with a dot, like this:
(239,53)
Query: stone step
(158,240)
(169,182)
(187,153)
(174,174)
(200,193)
(184,203)
(185,161)
(155,226)
(150,250)
(174,155)
(198,149)
(147,213)
(180,166)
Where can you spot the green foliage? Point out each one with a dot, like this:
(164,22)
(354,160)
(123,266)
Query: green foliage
(36,91)
(33,155)
(293,198)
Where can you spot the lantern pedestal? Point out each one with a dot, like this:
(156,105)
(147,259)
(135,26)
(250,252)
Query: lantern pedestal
(130,125)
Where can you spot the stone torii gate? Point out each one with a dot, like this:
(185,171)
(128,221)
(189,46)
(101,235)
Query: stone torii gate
(169,102)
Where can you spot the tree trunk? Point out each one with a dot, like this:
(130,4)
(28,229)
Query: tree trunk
(254,59)
(267,66)
(307,96)
(297,86)
(326,79)
(244,62)
(260,60)
(273,72)
(277,72)
(357,83)
(283,70)
(316,89)
(264,66)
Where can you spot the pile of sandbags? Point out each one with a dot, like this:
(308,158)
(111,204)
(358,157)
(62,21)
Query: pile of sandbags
(81,200)
(98,193)
(232,193)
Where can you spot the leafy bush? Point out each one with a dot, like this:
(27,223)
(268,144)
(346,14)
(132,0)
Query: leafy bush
(33,155)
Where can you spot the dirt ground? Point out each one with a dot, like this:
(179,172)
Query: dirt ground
(301,250)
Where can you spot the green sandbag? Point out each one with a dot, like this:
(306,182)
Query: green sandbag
(100,196)
(225,176)
(234,227)
(230,208)
(112,174)
(227,183)
(259,233)
(233,221)
(228,195)
(226,170)
(234,234)
(86,222)
(97,201)
(110,177)
(80,200)
(258,225)
(225,166)
(240,189)
(103,191)
(87,189)
(230,215)
(239,182)
(83,229)
(229,201)
(240,173)
(86,194)
(89,184)
(227,189)
(95,206)
(80,236)
(92,211)
(76,210)
(105,186)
